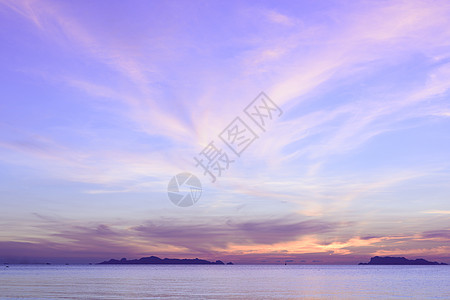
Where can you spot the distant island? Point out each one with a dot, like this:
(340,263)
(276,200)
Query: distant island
(153,260)
(377,260)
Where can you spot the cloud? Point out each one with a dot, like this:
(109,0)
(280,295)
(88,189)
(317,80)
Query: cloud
(233,239)
(276,17)
(63,237)
(441,234)
(405,28)
(440,212)
(216,235)
(344,76)
(443,114)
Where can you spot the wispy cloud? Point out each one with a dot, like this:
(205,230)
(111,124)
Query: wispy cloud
(121,106)
(440,212)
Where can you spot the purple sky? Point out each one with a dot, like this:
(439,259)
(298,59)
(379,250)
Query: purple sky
(104,101)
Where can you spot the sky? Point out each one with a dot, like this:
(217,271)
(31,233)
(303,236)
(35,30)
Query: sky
(103,102)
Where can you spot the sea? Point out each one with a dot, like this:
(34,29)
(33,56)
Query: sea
(224,282)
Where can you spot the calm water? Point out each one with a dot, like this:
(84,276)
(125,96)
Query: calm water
(227,282)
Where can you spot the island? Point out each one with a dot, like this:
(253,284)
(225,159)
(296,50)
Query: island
(154,260)
(387,260)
